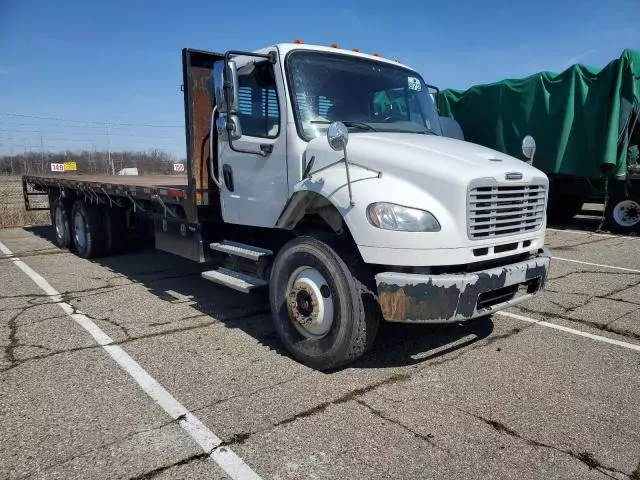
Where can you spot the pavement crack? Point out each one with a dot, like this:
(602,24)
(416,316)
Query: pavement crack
(117,324)
(157,471)
(378,413)
(580,244)
(473,345)
(236,439)
(635,475)
(106,445)
(347,397)
(9,350)
(586,458)
(246,395)
(95,346)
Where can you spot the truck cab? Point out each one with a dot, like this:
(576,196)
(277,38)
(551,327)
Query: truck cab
(364,208)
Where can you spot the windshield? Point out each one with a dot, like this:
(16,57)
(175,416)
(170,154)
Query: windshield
(365,94)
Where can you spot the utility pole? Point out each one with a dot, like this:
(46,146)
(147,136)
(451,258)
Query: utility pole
(11,154)
(41,154)
(110,168)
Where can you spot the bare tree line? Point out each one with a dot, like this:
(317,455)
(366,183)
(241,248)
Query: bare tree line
(148,162)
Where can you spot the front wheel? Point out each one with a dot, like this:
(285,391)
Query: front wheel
(321,310)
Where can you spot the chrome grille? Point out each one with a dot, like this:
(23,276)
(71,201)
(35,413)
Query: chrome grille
(498,211)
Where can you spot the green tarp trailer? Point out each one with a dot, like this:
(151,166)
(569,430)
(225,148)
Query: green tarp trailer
(584,121)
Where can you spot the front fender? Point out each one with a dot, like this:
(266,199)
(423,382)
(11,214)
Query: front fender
(367,187)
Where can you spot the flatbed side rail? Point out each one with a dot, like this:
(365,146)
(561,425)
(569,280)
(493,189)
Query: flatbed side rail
(112,193)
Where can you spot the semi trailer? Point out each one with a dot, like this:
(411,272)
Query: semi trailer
(586,123)
(322,175)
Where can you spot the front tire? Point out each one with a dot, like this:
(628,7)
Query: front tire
(320,310)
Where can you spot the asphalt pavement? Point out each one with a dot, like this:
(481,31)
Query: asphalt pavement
(133,366)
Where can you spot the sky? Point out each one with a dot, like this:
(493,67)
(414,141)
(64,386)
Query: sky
(106,74)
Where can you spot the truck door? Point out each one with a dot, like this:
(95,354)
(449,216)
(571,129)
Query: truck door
(254,188)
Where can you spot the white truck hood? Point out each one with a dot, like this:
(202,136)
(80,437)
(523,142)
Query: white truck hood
(435,156)
(419,171)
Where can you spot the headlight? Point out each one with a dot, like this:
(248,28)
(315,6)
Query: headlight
(389,216)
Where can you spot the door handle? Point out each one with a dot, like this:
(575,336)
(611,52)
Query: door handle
(227,175)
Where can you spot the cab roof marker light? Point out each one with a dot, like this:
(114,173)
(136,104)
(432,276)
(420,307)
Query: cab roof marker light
(335,45)
(356,50)
(297,41)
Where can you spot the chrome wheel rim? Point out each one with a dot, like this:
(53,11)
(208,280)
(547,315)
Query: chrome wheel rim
(627,213)
(59,222)
(79,230)
(310,303)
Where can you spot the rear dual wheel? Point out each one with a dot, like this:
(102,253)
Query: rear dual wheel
(88,232)
(60,220)
(322,310)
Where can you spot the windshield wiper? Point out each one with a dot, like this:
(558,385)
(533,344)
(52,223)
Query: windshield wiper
(349,123)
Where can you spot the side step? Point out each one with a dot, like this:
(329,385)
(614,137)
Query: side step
(238,281)
(241,250)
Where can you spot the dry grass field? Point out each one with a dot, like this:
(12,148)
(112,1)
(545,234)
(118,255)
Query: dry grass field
(12,211)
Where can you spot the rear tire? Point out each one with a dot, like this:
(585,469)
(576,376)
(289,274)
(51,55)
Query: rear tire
(87,229)
(60,221)
(622,215)
(336,323)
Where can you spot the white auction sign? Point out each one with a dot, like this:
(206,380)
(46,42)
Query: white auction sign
(178,167)
(57,167)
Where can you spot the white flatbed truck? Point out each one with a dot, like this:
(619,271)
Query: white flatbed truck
(324,175)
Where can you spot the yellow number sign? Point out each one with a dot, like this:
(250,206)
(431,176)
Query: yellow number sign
(70,166)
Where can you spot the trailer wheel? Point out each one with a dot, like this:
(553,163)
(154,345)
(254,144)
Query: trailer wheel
(60,220)
(321,311)
(622,215)
(87,229)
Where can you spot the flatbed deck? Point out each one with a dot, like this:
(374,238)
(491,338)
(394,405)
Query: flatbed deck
(169,188)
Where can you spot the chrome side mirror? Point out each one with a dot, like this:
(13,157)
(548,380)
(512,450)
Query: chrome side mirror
(529,148)
(226,98)
(338,136)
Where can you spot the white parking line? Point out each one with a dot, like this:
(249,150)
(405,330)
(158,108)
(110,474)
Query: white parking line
(231,463)
(573,331)
(601,265)
(591,234)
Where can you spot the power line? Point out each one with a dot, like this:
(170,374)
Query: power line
(92,127)
(100,133)
(94,122)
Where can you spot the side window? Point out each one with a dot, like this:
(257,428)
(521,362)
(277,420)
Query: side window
(259,110)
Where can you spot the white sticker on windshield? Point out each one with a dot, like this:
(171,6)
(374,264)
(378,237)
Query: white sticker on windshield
(414,84)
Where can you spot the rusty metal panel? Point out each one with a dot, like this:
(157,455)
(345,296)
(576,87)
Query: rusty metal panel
(197,72)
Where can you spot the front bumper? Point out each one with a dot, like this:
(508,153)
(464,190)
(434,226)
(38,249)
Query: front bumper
(416,298)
